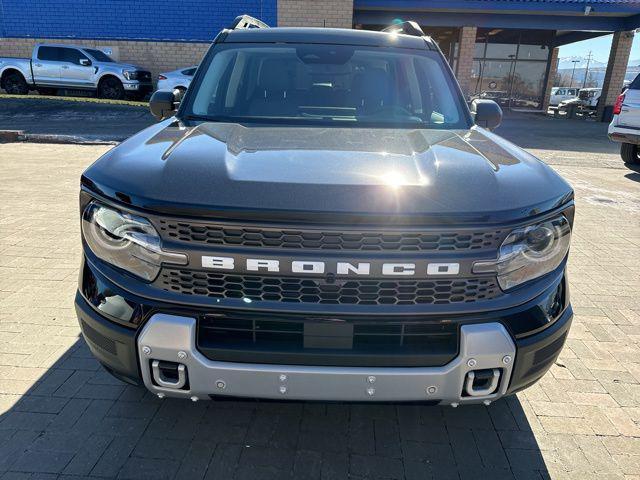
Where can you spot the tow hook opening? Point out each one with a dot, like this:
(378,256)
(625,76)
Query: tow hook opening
(169,374)
(479,383)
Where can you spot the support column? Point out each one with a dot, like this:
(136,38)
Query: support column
(551,78)
(466,47)
(314,13)
(616,69)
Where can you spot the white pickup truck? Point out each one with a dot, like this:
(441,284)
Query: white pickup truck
(71,67)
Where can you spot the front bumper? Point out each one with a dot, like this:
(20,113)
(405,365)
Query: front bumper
(137,87)
(172,338)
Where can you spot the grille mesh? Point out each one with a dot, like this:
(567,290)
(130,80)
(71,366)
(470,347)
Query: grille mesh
(144,76)
(100,340)
(237,337)
(341,291)
(214,234)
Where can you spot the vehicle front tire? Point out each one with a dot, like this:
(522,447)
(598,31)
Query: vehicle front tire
(111,88)
(15,84)
(629,153)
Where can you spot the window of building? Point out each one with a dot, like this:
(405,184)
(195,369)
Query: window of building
(501,44)
(535,45)
(510,66)
(527,85)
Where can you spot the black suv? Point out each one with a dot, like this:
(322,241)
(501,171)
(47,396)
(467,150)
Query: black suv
(324,218)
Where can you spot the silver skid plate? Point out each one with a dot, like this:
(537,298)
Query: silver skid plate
(173,338)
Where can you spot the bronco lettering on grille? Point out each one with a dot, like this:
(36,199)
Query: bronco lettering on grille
(339,268)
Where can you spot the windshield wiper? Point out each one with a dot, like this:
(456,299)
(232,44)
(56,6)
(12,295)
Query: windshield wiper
(311,119)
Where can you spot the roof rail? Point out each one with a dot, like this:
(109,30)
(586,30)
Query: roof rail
(408,28)
(246,21)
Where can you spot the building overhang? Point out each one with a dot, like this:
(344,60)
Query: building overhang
(583,16)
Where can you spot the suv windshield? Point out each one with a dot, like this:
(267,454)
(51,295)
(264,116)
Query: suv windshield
(327,84)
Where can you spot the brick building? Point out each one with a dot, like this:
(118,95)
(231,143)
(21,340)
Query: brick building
(505,50)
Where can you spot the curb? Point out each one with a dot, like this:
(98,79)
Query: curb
(70,99)
(13,136)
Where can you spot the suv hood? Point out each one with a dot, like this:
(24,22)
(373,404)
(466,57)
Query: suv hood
(230,170)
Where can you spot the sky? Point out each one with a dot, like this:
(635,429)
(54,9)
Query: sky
(599,46)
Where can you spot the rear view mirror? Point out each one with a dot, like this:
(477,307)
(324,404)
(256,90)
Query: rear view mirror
(164,104)
(85,62)
(486,113)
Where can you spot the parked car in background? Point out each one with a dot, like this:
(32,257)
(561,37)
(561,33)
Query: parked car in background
(625,126)
(179,79)
(73,67)
(560,94)
(586,101)
(589,97)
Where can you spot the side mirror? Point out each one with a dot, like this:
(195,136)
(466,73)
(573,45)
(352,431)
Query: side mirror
(486,113)
(164,104)
(85,62)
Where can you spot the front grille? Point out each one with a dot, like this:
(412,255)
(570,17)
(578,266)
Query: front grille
(144,76)
(317,341)
(340,291)
(388,241)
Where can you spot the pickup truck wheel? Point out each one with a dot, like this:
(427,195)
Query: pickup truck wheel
(111,88)
(15,84)
(629,153)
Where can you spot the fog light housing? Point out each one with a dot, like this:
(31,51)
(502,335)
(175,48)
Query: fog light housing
(555,303)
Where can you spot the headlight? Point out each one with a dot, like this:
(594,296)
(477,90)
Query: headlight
(529,252)
(130,74)
(126,241)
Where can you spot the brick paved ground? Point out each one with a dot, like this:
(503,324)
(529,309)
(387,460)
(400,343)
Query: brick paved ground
(61,416)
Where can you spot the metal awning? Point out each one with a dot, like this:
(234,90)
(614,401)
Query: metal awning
(571,15)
